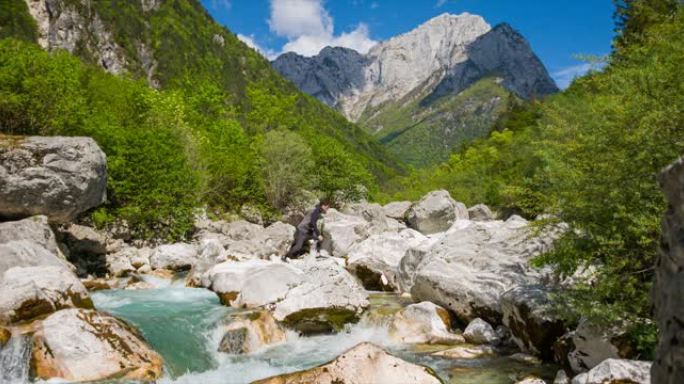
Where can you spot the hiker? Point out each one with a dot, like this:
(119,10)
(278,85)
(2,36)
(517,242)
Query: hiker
(307,230)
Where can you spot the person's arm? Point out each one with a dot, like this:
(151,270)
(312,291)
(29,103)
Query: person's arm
(314,223)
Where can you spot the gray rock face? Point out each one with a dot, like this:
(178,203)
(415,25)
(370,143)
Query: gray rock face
(435,212)
(30,292)
(397,209)
(480,212)
(59,177)
(527,313)
(176,257)
(444,55)
(423,323)
(65,26)
(668,367)
(365,363)
(615,371)
(331,74)
(474,263)
(27,243)
(594,344)
(342,231)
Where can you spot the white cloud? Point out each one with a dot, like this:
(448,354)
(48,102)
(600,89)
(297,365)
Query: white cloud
(218,4)
(565,76)
(249,40)
(440,3)
(308,28)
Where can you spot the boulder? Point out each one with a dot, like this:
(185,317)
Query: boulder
(561,377)
(83,240)
(342,231)
(59,177)
(397,209)
(668,367)
(594,344)
(375,260)
(479,331)
(251,214)
(239,229)
(474,263)
(85,345)
(175,257)
(279,236)
(327,299)
(423,323)
(252,283)
(29,292)
(616,371)
(466,352)
(27,243)
(119,264)
(528,314)
(480,212)
(372,213)
(251,332)
(435,212)
(365,363)
(531,380)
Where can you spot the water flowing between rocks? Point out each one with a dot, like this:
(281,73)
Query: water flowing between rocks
(184,326)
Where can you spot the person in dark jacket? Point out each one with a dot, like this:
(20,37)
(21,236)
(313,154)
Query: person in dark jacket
(307,230)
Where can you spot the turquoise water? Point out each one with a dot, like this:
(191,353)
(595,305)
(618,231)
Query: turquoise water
(184,326)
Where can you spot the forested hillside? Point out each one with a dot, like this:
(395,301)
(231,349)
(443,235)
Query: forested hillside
(187,122)
(589,157)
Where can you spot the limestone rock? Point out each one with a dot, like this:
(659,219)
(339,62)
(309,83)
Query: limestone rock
(435,212)
(119,264)
(328,298)
(59,177)
(365,363)
(84,240)
(528,314)
(375,260)
(616,371)
(29,292)
(27,243)
(176,257)
(397,209)
(253,283)
(85,345)
(423,323)
(561,377)
(594,344)
(480,212)
(251,214)
(250,333)
(479,331)
(467,352)
(531,380)
(668,367)
(474,263)
(342,231)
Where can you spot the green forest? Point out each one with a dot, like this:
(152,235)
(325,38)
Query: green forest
(224,130)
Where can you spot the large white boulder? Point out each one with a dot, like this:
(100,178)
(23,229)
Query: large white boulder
(371,212)
(363,364)
(375,260)
(27,243)
(176,257)
(327,299)
(423,323)
(252,283)
(616,371)
(85,345)
(474,263)
(59,177)
(29,292)
(668,367)
(480,212)
(435,212)
(397,209)
(342,231)
(534,325)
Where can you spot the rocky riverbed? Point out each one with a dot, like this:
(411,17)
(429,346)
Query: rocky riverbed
(421,292)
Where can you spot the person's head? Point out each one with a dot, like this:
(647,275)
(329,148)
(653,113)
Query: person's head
(325,205)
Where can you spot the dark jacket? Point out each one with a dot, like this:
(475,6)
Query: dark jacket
(309,223)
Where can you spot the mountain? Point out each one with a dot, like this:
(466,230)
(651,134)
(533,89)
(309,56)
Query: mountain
(174,44)
(424,92)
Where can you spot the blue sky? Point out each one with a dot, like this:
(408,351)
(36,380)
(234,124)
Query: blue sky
(557,29)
